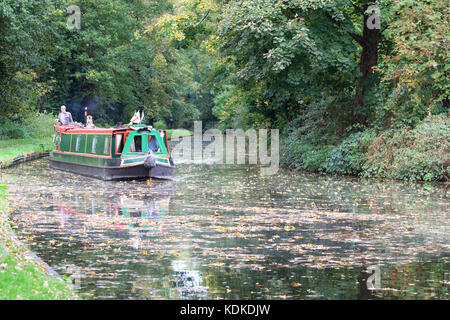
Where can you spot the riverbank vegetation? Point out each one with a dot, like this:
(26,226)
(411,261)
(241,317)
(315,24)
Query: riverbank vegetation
(21,137)
(356,87)
(21,276)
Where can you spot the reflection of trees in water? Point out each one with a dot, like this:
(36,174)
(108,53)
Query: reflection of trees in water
(185,282)
(364,288)
(370,196)
(177,279)
(404,280)
(349,194)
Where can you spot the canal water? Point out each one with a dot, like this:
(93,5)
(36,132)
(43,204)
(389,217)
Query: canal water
(226,232)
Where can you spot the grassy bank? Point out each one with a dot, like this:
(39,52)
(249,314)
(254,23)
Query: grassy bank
(30,134)
(10,149)
(21,276)
(178,133)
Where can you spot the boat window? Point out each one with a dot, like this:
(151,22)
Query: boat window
(136,144)
(153,144)
(94,144)
(106,149)
(77,145)
(119,143)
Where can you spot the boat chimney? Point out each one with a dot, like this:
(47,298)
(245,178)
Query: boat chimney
(85,116)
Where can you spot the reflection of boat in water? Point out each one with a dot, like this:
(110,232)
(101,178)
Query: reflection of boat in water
(124,215)
(155,212)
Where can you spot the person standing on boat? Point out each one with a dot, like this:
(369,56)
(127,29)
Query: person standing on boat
(65,117)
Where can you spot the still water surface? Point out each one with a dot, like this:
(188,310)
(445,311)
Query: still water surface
(226,232)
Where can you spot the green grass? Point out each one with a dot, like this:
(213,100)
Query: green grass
(10,149)
(179,133)
(19,142)
(21,276)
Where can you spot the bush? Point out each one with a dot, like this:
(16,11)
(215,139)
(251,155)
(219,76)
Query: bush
(417,154)
(302,155)
(34,125)
(11,130)
(160,125)
(39,125)
(310,140)
(350,156)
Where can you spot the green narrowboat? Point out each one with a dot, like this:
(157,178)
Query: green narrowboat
(129,152)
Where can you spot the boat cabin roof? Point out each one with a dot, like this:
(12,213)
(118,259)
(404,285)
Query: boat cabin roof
(71,128)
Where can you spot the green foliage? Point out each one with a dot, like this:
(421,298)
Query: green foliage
(349,156)
(310,140)
(160,125)
(184,81)
(300,60)
(3,190)
(32,125)
(290,51)
(415,72)
(113,64)
(11,130)
(233,107)
(39,125)
(309,157)
(105,65)
(24,45)
(412,154)
(178,133)
(407,154)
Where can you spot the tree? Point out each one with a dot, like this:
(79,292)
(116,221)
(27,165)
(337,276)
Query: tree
(294,51)
(369,41)
(183,36)
(105,65)
(415,72)
(24,44)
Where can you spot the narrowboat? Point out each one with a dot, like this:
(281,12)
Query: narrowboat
(127,152)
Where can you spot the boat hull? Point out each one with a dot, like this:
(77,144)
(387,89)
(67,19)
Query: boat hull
(114,172)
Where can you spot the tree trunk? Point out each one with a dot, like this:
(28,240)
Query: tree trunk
(369,41)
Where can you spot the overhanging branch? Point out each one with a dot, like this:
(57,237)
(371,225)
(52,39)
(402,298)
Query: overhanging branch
(357,38)
(354,36)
